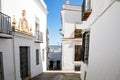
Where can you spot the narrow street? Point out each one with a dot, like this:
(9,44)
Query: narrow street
(57,76)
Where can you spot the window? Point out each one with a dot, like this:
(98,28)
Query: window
(85,47)
(37,56)
(42,54)
(77,52)
(77,67)
(78,33)
(38,33)
(37,29)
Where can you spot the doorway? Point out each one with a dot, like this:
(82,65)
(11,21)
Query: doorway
(1,67)
(24,62)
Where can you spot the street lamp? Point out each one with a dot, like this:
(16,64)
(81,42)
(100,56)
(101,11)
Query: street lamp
(60,30)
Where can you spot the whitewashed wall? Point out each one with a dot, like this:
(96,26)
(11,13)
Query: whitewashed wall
(44,44)
(6,48)
(39,10)
(69,30)
(15,7)
(0,5)
(68,53)
(71,16)
(104,42)
(24,40)
(67,56)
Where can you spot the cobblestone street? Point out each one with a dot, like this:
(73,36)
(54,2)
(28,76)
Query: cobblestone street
(57,76)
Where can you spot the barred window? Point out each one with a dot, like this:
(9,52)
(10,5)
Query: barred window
(37,56)
(77,52)
(78,33)
(85,47)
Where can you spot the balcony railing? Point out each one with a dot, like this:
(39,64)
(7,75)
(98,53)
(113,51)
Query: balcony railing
(78,33)
(5,26)
(86,9)
(38,37)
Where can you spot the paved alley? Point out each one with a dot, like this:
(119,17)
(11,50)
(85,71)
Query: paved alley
(57,76)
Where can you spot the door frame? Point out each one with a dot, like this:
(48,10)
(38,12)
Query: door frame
(28,57)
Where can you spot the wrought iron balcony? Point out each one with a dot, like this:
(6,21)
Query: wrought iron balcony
(5,26)
(38,37)
(86,9)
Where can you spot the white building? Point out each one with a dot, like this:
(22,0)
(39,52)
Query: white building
(23,50)
(72,39)
(101,40)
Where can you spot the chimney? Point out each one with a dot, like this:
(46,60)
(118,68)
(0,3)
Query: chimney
(67,1)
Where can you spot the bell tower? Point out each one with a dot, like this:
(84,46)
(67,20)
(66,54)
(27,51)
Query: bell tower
(67,1)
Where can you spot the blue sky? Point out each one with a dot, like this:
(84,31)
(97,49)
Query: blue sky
(54,19)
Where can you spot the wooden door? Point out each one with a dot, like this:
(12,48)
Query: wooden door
(24,62)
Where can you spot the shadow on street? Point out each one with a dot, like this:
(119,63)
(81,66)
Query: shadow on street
(57,76)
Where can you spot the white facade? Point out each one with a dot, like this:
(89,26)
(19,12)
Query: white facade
(22,40)
(6,48)
(71,16)
(36,12)
(104,45)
